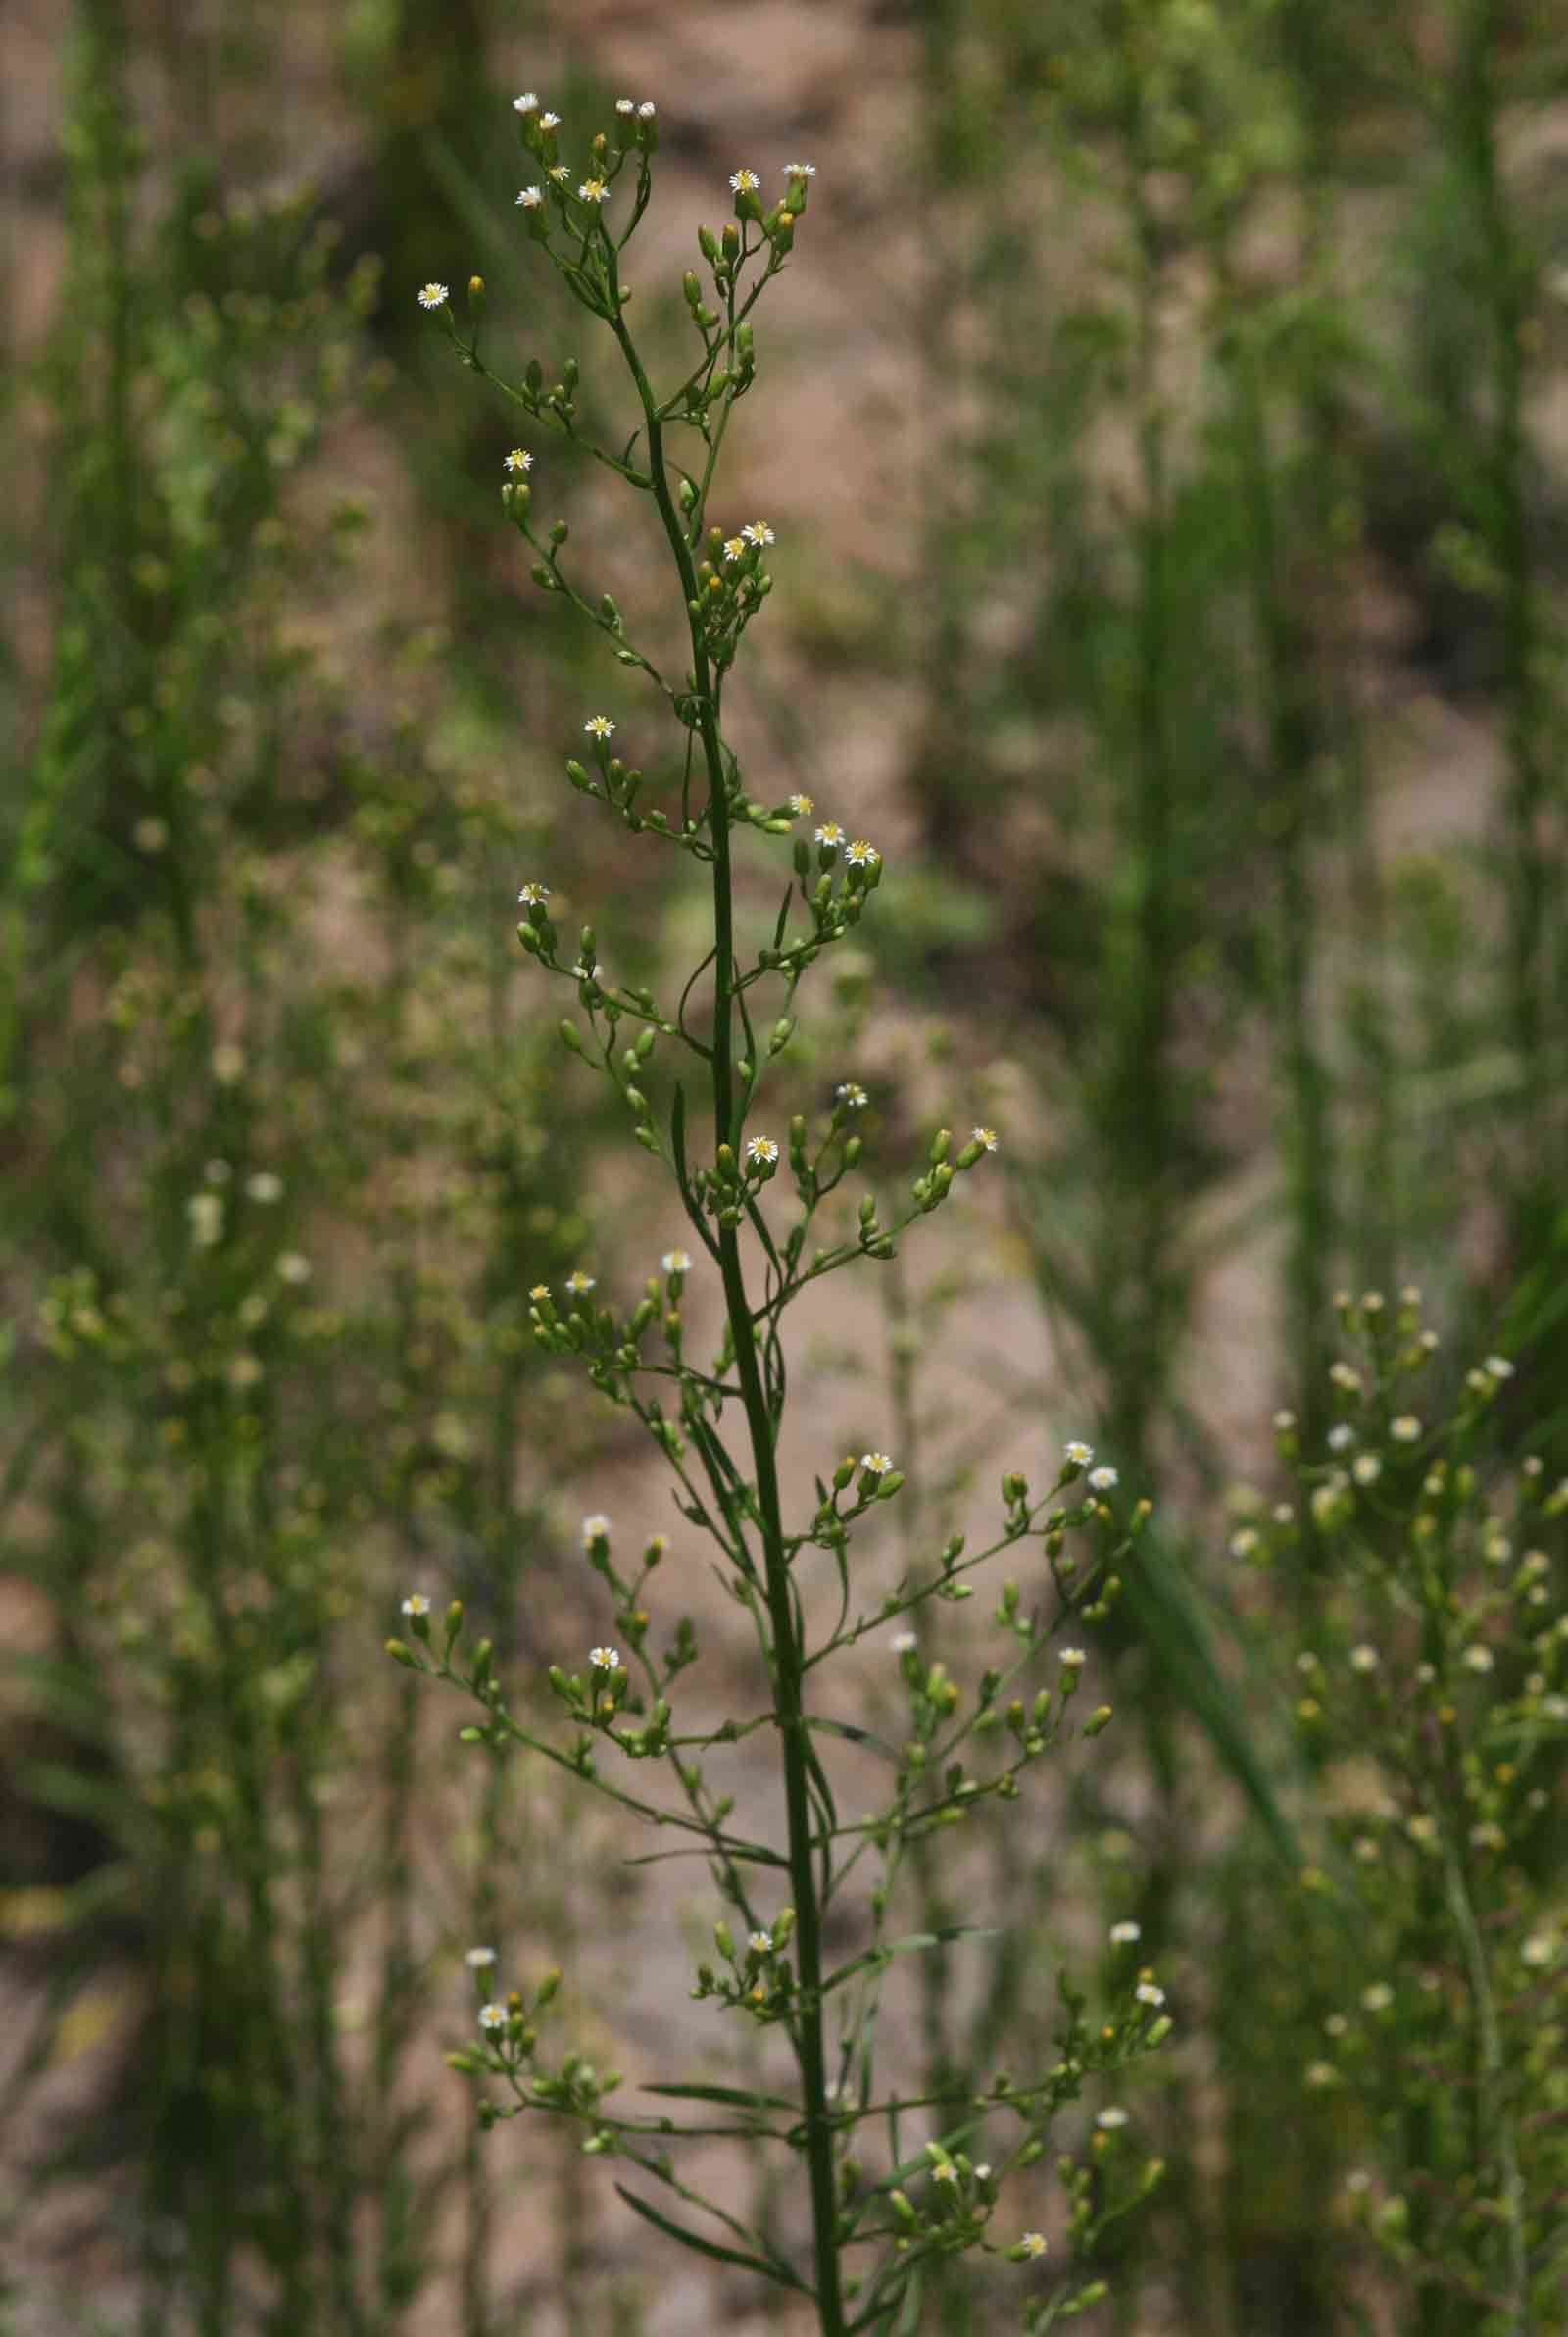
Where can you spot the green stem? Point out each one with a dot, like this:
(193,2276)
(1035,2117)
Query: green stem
(787,1654)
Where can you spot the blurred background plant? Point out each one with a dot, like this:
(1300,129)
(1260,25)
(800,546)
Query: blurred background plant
(1176,583)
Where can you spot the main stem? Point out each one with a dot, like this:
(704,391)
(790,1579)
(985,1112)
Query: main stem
(788,1654)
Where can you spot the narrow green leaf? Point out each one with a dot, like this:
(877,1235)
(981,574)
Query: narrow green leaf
(780,2273)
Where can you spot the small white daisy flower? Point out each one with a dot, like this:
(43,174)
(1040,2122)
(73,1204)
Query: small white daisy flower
(433,296)
(802,805)
(1366,1469)
(531,197)
(676,1262)
(1033,2243)
(862,855)
(1126,1935)
(560,173)
(1364,1659)
(875,1463)
(604,1658)
(579,1283)
(534,896)
(600,726)
(944,2172)
(625,105)
(734,548)
(595,1529)
(265,1186)
(1339,1436)
(830,834)
(1478,1658)
(415,1603)
(1147,1994)
(1497,1366)
(761,1148)
(761,1942)
(593,190)
(800,169)
(478,1958)
(1102,1479)
(745,183)
(492,2016)
(526,104)
(1072,1659)
(758,532)
(904,1643)
(294,1267)
(1078,1454)
(1405,1429)
(851,1095)
(1109,2119)
(646,110)
(550,121)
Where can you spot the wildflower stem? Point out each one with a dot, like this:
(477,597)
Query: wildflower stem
(787,1652)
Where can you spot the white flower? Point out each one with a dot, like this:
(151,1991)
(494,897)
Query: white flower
(745,183)
(1497,1366)
(1364,1659)
(579,1283)
(604,1658)
(1366,1469)
(1377,1998)
(433,296)
(600,726)
(985,1139)
(757,532)
(1476,1659)
(1537,1952)
(595,1529)
(851,1095)
(531,197)
(1072,1658)
(831,834)
(264,1186)
(1405,1429)
(875,1464)
(415,1603)
(761,1148)
(1340,1436)
(1147,1994)
(862,855)
(676,1262)
(206,1213)
(1109,2119)
(492,2016)
(1078,1454)
(1033,2243)
(944,2172)
(646,110)
(550,121)
(1102,1479)
(534,896)
(800,169)
(1283,1422)
(904,1643)
(1243,1542)
(625,105)
(1124,1935)
(526,104)
(801,805)
(520,459)
(477,1959)
(294,1267)
(560,173)
(761,1942)
(593,190)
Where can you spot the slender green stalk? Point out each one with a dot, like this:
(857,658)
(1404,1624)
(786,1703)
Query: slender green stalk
(786,1652)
